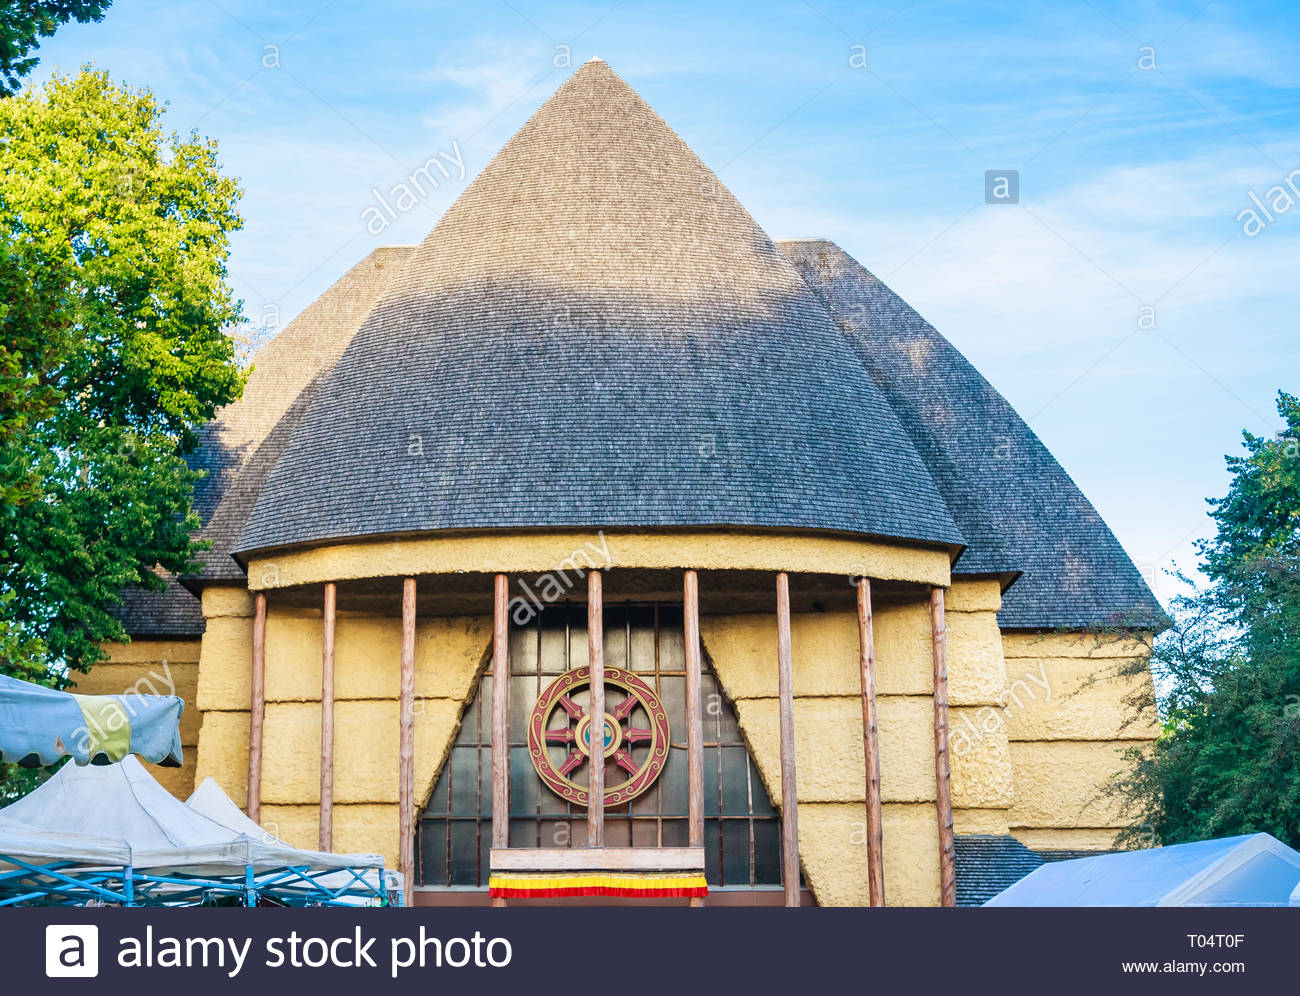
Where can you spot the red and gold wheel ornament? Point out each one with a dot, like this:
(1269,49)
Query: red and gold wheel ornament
(641,751)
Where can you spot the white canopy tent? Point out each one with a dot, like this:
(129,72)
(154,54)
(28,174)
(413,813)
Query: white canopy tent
(124,802)
(21,842)
(177,851)
(60,868)
(1249,870)
(211,801)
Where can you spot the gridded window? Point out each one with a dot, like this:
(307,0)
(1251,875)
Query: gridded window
(742,832)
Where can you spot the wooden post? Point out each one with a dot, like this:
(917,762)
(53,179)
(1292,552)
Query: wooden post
(871,747)
(694,713)
(596,712)
(789,794)
(500,715)
(406,748)
(257,709)
(325,837)
(942,767)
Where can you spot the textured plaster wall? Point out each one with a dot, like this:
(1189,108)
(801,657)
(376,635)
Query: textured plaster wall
(155,667)
(830,766)
(1022,759)
(450,652)
(1066,745)
(982,771)
(545,551)
(223,689)
(448,656)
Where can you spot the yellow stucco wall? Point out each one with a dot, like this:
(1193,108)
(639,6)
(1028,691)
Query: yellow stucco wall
(515,553)
(1023,760)
(1067,722)
(449,654)
(155,667)
(982,769)
(829,761)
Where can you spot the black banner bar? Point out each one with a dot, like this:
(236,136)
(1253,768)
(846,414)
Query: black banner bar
(535,951)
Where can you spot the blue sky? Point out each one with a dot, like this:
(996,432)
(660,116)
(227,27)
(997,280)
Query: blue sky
(1139,130)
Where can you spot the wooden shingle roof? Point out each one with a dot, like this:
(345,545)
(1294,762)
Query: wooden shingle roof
(988,863)
(1019,510)
(238,448)
(597,334)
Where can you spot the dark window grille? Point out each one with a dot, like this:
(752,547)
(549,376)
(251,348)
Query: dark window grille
(742,831)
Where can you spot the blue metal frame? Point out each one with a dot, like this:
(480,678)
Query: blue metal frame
(63,883)
(66,883)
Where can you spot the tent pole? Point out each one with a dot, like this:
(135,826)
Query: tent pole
(326,835)
(942,765)
(500,715)
(406,750)
(871,746)
(789,794)
(257,709)
(596,711)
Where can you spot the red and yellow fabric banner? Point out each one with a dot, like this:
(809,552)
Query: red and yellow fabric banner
(597,884)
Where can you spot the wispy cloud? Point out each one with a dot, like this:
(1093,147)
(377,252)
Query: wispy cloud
(483,90)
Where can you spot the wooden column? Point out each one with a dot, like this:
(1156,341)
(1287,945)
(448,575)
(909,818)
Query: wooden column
(325,838)
(596,660)
(871,746)
(257,709)
(500,715)
(789,794)
(694,713)
(942,767)
(406,748)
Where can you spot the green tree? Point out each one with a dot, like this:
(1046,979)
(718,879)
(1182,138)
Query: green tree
(1228,757)
(24,22)
(113,303)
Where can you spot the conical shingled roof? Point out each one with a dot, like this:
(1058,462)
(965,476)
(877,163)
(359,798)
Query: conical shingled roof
(306,348)
(597,334)
(238,448)
(1019,510)
(247,439)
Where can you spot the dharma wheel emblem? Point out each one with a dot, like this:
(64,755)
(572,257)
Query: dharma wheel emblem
(641,751)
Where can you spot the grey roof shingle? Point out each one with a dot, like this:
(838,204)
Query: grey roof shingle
(1016,506)
(238,448)
(597,334)
(989,863)
(173,611)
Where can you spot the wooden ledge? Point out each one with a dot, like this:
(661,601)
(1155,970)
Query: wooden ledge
(594,859)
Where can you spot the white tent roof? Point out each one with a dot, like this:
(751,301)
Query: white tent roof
(17,840)
(123,803)
(1250,870)
(210,801)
